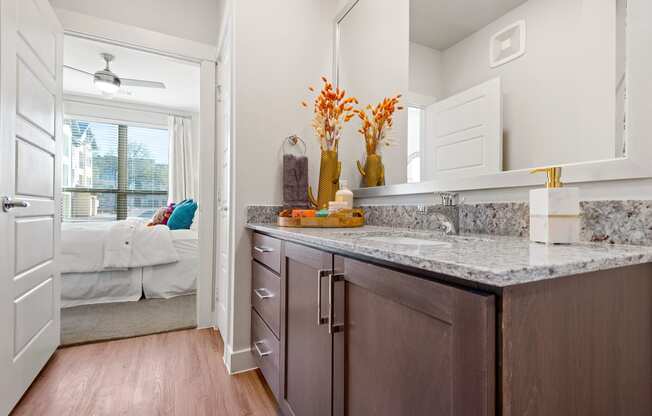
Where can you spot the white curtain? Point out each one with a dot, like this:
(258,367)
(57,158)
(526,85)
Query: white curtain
(182,170)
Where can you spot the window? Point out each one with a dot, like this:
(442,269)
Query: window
(415,131)
(113,171)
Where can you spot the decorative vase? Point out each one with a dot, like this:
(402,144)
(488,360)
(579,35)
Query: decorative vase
(373,171)
(329,179)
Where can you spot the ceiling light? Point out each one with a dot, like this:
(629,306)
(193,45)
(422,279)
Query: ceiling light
(106,85)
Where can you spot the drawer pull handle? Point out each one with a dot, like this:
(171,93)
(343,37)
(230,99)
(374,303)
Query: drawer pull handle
(263,293)
(332,326)
(321,320)
(263,250)
(261,354)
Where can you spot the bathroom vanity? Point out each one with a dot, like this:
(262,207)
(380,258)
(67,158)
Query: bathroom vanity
(376,321)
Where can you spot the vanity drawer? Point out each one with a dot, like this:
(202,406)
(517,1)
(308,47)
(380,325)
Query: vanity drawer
(266,295)
(267,250)
(266,351)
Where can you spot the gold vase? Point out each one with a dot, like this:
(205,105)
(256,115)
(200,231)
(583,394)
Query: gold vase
(329,179)
(373,171)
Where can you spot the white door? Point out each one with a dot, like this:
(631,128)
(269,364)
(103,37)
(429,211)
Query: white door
(224,167)
(30,149)
(464,134)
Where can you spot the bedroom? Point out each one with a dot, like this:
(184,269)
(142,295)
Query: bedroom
(130,153)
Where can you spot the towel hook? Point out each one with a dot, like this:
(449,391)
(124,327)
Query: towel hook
(294,140)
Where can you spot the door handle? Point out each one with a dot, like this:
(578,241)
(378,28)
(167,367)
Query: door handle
(263,293)
(9,204)
(332,326)
(263,250)
(261,354)
(320,274)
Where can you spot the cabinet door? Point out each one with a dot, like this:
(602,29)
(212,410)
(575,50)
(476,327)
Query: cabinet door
(306,358)
(412,346)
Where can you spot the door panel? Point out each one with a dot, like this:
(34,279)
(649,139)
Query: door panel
(412,346)
(30,149)
(464,133)
(30,27)
(33,313)
(307,345)
(34,171)
(29,231)
(34,101)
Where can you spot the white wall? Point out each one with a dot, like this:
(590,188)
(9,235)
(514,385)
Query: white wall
(281,47)
(196,20)
(426,66)
(374,57)
(558,99)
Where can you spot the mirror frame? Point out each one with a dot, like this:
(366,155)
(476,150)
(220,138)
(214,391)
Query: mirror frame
(637,164)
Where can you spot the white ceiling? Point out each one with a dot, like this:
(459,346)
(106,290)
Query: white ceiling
(440,24)
(197,20)
(181,78)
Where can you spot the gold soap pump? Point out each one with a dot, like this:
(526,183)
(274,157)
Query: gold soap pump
(554,176)
(554,210)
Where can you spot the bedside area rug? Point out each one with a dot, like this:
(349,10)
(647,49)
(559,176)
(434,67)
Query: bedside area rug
(90,323)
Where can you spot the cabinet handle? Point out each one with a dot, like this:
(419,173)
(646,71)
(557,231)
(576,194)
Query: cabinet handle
(320,274)
(332,326)
(263,250)
(263,293)
(261,354)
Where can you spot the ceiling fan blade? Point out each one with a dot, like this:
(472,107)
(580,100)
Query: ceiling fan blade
(79,70)
(141,83)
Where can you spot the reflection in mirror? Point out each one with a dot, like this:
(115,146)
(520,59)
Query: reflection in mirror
(489,85)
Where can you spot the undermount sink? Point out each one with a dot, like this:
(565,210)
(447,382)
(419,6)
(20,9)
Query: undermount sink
(408,241)
(412,238)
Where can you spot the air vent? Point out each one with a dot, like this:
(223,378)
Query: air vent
(507,45)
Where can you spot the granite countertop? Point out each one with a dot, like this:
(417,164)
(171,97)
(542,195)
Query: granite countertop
(482,260)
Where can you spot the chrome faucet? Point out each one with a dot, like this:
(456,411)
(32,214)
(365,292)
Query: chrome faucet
(448,199)
(449,217)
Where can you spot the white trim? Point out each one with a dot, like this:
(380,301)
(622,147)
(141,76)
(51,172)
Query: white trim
(637,164)
(341,14)
(207,120)
(168,111)
(101,113)
(95,28)
(238,361)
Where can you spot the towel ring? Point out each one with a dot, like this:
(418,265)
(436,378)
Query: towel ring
(294,141)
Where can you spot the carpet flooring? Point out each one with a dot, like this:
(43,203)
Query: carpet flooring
(88,323)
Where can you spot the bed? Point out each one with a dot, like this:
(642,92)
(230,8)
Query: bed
(163,272)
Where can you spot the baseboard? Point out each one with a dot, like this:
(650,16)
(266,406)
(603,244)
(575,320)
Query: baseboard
(238,361)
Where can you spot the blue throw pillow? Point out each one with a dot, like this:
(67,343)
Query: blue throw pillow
(182,216)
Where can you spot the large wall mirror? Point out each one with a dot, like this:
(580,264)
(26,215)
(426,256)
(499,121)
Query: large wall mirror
(493,87)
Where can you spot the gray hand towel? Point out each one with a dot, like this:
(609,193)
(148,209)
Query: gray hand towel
(295,181)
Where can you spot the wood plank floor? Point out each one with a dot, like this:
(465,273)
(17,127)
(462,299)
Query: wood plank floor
(175,373)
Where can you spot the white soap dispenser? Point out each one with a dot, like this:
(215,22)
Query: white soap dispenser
(554,211)
(344,194)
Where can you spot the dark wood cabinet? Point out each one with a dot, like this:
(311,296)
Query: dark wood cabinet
(358,339)
(413,347)
(306,362)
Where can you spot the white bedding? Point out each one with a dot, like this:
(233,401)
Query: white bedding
(162,281)
(101,287)
(95,247)
(176,279)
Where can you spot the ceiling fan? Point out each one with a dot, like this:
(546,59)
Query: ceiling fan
(109,83)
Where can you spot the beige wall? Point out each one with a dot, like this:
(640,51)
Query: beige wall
(426,66)
(281,47)
(558,99)
(374,55)
(196,20)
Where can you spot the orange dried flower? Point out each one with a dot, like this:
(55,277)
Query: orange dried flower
(331,109)
(375,128)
